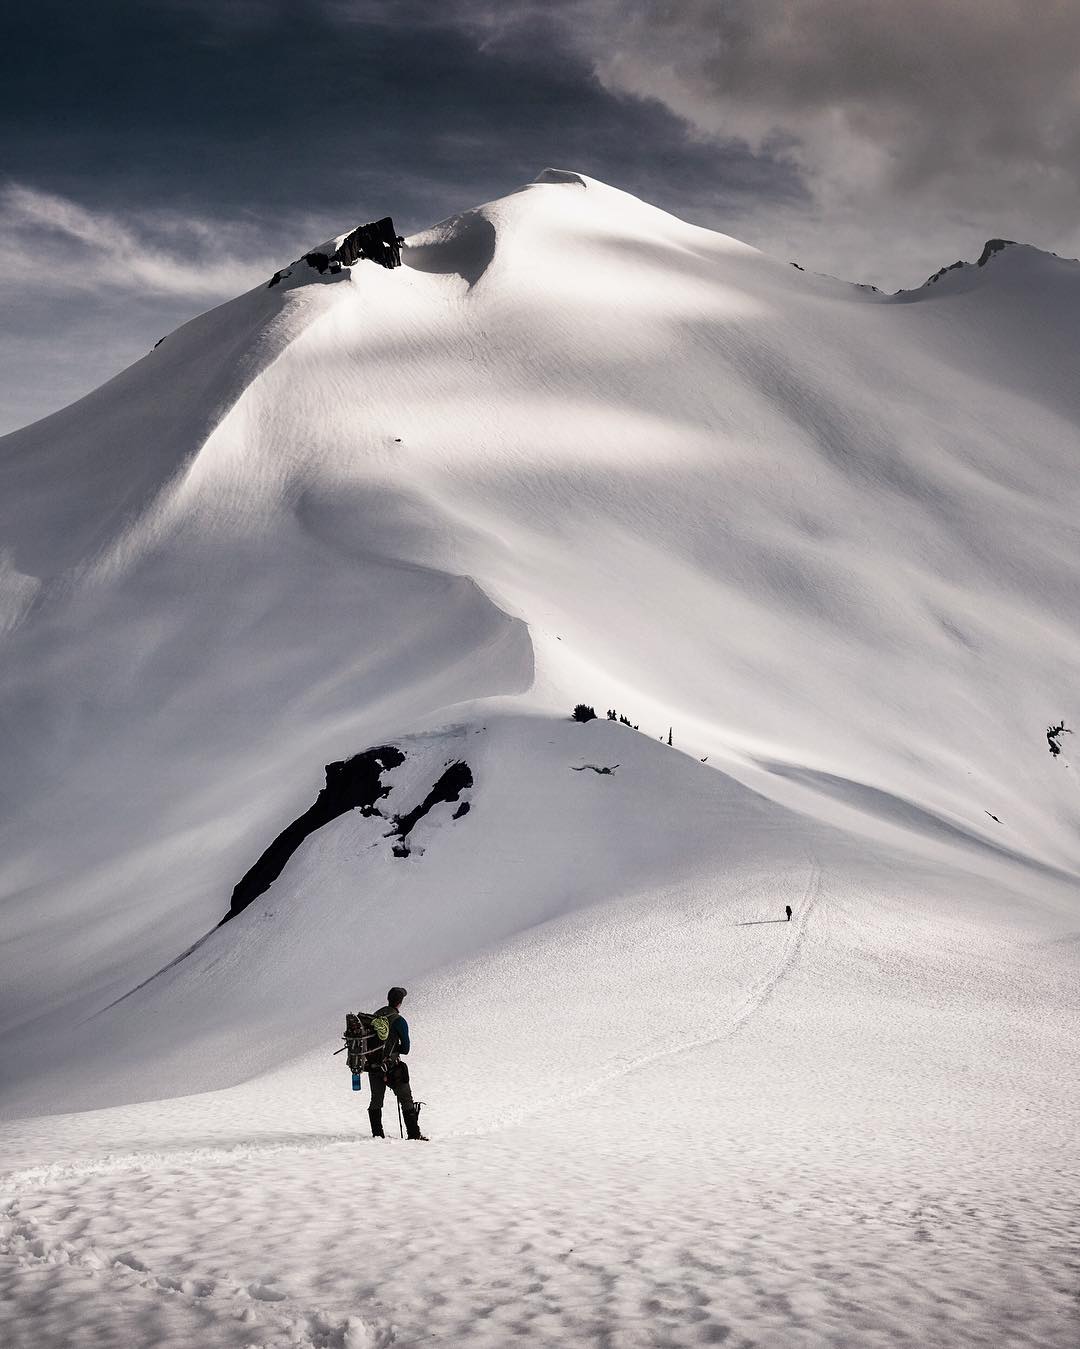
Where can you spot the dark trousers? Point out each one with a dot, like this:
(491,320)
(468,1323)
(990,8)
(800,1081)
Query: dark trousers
(396,1078)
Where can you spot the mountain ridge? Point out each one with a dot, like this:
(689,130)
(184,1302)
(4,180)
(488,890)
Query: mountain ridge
(572,178)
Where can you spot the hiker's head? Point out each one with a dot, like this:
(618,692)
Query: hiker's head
(395,997)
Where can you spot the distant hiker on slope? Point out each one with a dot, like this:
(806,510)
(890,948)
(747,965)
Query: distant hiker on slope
(387,1070)
(787,910)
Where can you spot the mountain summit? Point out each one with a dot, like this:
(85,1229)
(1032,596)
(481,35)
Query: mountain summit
(1025,262)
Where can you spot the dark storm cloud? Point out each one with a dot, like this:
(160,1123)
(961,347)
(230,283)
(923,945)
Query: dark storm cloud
(312,106)
(918,126)
(174,150)
(938,84)
(934,83)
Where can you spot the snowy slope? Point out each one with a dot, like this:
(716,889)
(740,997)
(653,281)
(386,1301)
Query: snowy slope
(574,450)
(670,1118)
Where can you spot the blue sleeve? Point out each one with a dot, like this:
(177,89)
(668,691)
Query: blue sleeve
(402,1028)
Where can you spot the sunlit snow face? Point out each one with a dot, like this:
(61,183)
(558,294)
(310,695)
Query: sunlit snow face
(872,142)
(119,225)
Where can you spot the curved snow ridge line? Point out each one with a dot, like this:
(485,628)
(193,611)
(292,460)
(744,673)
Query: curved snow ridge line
(279,334)
(760,994)
(168,407)
(272,342)
(57,1173)
(903,813)
(150,978)
(259,1304)
(272,337)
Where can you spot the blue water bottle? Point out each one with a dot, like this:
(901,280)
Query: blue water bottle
(356,1083)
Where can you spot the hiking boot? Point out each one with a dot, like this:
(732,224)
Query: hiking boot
(412,1126)
(376,1123)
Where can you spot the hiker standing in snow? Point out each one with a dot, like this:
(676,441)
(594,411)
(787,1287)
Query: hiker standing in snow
(389,1071)
(787,910)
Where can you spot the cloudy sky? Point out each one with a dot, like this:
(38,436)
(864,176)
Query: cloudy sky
(162,155)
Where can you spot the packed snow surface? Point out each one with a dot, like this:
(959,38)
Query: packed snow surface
(575,450)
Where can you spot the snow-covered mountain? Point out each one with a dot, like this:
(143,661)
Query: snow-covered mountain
(574,450)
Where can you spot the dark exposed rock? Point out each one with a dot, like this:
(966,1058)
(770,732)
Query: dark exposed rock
(942,270)
(378,242)
(991,247)
(463,809)
(353,784)
(1053,737)
(604,771)
(457,777)
(278,276)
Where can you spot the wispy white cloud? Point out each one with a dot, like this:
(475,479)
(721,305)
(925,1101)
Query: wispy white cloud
(87,291)
(52,243)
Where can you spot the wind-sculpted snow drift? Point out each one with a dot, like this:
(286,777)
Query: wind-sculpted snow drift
(573,450)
